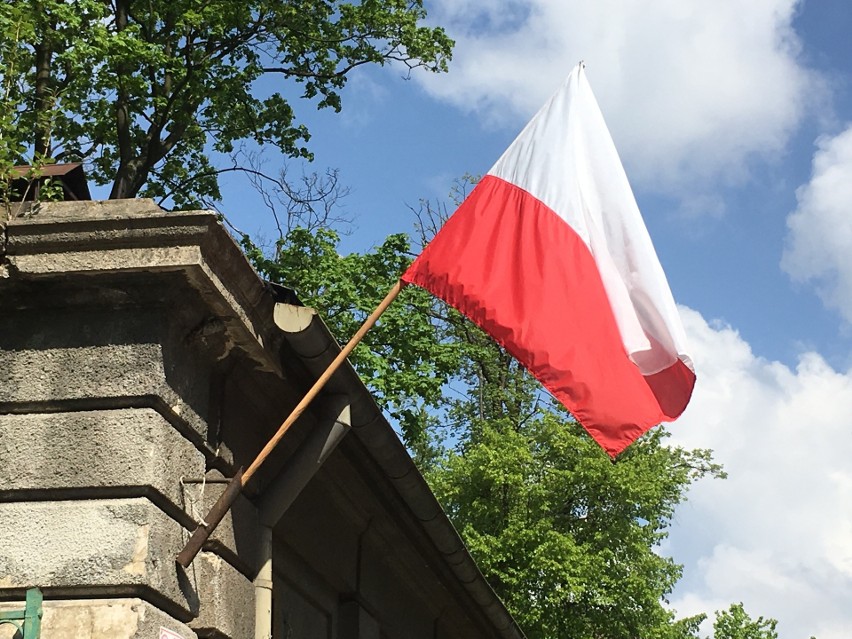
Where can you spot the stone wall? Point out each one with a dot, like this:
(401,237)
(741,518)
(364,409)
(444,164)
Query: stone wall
(140,364)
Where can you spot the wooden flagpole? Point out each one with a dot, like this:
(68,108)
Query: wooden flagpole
(241,479)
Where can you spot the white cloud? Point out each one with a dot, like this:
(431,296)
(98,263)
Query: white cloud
(819,242)
(691,90)
(777,534)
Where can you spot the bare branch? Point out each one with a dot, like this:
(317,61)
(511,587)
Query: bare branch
(311,201)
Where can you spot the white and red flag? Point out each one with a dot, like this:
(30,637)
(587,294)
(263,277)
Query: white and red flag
(550,256)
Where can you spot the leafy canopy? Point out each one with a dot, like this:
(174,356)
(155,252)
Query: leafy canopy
(735,623)
(566,537)
(404,359)
(144,91)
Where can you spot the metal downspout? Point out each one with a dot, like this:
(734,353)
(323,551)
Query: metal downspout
(263,588)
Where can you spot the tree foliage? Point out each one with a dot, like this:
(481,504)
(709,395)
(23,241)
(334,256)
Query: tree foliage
(735,623)
(144,91)
(404,359)
(16,28)
(567,538)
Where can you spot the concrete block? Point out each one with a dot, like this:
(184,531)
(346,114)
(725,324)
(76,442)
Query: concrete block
(101,619)
(58,373)
(226,599)
(181,362)
(119,243)
(95,449)
(127,357)
(107,545)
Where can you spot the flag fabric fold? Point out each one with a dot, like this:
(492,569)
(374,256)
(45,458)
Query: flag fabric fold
(550,256)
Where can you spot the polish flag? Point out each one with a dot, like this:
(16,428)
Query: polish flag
(550,256)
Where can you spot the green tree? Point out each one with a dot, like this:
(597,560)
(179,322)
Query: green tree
(143,91)
(735,623)
(16,29)
(567,538)
(405,359)
(12,27)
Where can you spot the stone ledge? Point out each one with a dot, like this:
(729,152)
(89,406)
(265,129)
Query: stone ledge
(86,209)
(96,239)
(95,449)
(122,546)
(103,361)
(101,619)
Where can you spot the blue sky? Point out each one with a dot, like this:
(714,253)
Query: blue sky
(734,122)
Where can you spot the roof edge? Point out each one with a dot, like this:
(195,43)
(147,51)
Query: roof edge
(313,343)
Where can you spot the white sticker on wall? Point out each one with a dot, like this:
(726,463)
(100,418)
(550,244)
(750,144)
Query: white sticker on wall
(165,633)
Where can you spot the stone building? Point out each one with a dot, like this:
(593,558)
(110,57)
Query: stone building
(142,361)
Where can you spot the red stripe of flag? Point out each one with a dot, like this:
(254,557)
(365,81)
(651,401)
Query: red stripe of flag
(522,272)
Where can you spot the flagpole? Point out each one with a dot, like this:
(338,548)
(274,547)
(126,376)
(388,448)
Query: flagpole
(241,479)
